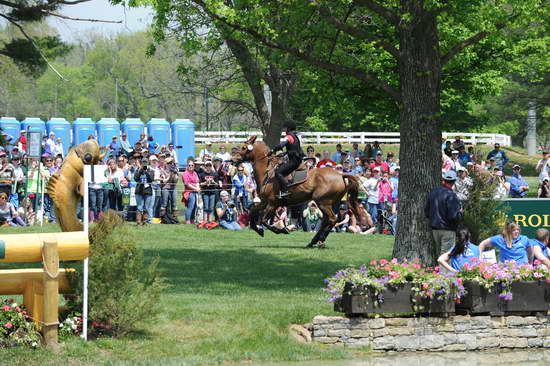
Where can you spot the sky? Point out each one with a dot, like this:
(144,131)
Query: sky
(133,19)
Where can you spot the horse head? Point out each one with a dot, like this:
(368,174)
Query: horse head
(251,150)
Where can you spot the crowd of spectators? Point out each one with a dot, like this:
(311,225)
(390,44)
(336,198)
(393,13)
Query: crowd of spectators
(143,182)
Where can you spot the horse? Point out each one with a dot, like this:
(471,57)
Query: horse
(325,186)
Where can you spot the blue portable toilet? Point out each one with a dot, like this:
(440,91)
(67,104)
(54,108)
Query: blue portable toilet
(183,138)
(107,128)
(160,130)
(133,127)
(82,128)
(12,127)
(34,124)
(62,129)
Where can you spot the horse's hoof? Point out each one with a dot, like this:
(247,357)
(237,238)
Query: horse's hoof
(261,232)
(322,246)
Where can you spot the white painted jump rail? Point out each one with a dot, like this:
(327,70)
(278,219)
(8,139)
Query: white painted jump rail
(349,137)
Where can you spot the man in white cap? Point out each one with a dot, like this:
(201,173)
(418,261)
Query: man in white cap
(207,150)
(51,142)
(444,213)
(463,185)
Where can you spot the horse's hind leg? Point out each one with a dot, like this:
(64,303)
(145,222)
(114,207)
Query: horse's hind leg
(255,216)
(329,220)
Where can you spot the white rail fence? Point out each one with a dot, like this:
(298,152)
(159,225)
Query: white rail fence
(349,137)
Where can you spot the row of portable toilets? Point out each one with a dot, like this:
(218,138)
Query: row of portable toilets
(181,132)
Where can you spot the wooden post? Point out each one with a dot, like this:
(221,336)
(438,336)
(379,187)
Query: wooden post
(51,294)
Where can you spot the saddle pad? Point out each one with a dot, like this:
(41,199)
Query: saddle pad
(298,177)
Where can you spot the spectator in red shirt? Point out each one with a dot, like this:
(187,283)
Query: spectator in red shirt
(326,159)
(379,163)
(23,141)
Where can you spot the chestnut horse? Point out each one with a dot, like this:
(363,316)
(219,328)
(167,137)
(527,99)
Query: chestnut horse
(325,186)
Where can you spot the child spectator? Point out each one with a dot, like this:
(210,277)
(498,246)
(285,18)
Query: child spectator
(540,247)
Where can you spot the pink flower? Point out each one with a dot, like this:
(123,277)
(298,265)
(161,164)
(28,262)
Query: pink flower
(6,308)
(373,262)
(437,268)
(394,274)
(424,286)
(459,281)
(537,275)
(536,262)
(394,260)
(548,279)
(383,262)
(467,266)
(8,325)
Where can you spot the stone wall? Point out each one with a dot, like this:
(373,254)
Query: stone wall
(456,333)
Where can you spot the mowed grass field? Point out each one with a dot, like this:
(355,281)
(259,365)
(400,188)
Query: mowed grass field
(232,296)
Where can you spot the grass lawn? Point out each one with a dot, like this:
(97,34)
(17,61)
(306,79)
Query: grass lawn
(232,296)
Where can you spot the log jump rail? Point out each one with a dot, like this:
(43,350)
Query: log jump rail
(41,287)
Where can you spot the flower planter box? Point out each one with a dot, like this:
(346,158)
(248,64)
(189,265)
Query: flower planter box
(528,296)
(399,299)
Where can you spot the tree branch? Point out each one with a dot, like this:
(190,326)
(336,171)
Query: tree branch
(359,74)
(80,19)
(356,32)
(384,12)
(9,19)
(466,43)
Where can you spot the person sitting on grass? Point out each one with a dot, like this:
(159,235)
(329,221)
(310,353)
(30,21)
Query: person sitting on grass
(312,217)
(280,220)
(540,247)
(8,213)
(342,219)
(513,246)
(227,212)
(462,253)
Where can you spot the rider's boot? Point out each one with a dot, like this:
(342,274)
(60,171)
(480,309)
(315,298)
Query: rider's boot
(283,192)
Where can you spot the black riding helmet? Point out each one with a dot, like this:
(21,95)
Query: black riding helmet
(290,125)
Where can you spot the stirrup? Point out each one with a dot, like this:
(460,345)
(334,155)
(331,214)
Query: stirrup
(283,194)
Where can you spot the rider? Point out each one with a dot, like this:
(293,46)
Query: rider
(294,153)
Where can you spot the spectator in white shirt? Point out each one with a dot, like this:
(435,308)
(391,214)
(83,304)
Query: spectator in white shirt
(373,198)
(206,151)
(223,154)
(58,148)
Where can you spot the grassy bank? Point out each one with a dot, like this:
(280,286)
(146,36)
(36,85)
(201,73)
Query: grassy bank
(232,296)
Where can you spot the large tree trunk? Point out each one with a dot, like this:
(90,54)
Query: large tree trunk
(420,78)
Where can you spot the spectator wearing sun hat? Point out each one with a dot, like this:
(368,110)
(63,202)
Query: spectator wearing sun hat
(518,185)
(444,213)
(502,187)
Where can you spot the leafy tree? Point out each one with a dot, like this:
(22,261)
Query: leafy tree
(417,52)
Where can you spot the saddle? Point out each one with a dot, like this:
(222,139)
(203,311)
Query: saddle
(296,178)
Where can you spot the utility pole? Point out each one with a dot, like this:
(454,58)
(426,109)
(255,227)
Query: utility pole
(531,128)
(207,100)
(116,98)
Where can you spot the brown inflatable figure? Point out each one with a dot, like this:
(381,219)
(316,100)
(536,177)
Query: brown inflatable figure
(65,187)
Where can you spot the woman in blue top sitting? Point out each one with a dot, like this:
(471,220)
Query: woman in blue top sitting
(512,246)
(460,254)
(540,246)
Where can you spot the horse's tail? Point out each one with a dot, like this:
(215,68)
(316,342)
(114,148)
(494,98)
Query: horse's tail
(352,188)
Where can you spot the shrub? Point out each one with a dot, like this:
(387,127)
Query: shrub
(123,289)
(483,215)
(16,328)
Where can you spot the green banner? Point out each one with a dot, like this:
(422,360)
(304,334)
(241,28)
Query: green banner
(530,213)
